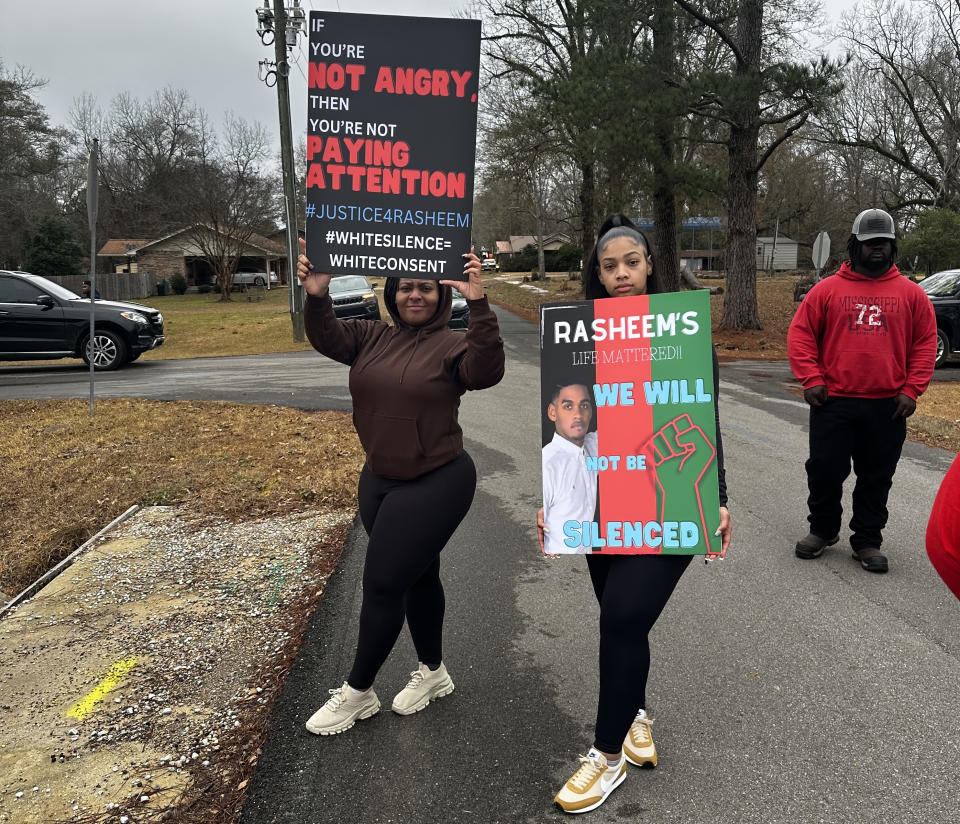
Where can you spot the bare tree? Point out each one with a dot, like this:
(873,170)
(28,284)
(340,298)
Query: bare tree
(526,150)
(902,103)
(148,151)
(232,197)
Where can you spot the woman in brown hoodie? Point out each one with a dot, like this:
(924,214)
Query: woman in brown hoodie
(405,381)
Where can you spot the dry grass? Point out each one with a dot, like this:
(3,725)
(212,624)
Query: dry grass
(64,476)
(937,420)
(776,308)
(201,326)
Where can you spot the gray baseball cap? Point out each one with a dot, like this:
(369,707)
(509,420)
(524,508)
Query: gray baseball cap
(873,223)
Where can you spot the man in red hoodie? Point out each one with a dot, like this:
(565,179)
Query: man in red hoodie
(863,344)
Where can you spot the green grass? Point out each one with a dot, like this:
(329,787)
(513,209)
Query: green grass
(202,326)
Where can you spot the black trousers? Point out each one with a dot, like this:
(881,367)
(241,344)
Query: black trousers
(858,430)
(632,591)
(408,524)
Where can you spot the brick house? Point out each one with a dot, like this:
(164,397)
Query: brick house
(178,253)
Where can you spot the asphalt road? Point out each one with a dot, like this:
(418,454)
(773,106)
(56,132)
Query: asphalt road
(783,690)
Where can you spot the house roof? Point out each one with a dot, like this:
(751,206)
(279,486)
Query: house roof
(116,246)
(256,241)
(780,239)
(518,242)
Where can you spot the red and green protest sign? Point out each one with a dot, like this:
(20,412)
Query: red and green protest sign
(391,139)
(629,428)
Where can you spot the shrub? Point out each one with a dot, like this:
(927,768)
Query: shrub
(525,259)
(567,258)
(178,283)
(204,288)
(54,250)
(934,242)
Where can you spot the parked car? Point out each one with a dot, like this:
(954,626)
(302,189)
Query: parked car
(41,320)
(459,312)
(489,264)
(943,289)
(353,297)
(254,279)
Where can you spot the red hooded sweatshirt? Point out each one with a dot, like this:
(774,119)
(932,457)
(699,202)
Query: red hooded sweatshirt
(943,529)
(864,337)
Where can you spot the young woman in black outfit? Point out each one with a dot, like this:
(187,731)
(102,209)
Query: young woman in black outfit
(632,590)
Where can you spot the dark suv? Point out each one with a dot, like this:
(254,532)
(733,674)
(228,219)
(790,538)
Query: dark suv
(41,320)
(353,297)
(459,311)
(943,288)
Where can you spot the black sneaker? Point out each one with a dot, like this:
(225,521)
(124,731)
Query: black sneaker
(871,559)
(812,546)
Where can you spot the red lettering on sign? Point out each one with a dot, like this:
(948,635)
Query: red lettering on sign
(388,181)
(334,75)
(315,176)
(331,151)
(423,82)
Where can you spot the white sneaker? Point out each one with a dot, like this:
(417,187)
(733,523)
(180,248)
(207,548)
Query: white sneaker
(589,786)
(423,687)
(343,710)
(638,746)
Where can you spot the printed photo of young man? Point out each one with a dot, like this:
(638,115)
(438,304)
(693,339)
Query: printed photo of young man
(569,488)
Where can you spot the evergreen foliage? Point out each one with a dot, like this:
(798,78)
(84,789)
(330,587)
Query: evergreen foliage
(935,242)
(54,250)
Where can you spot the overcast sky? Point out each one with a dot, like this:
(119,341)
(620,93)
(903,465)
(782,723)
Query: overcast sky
(208,47)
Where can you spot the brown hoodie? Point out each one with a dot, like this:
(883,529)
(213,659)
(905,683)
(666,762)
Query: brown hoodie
(406,381)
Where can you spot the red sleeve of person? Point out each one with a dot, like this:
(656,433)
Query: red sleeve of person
(943,530)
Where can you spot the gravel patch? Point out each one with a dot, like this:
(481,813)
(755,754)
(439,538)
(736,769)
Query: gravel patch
(148,667)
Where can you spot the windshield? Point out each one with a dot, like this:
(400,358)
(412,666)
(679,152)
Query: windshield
(942,284)
(54,289)
(348,283)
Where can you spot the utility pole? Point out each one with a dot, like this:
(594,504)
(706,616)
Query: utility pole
(281,25)
(93,182)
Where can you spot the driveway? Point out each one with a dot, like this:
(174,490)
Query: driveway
(783,690)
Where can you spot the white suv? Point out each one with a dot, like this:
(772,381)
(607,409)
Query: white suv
(489,264)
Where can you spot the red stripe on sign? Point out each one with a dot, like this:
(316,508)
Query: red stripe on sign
(624,429)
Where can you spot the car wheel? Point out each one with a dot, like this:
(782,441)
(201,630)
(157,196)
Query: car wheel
(259,282)
(943,347)
(108,351)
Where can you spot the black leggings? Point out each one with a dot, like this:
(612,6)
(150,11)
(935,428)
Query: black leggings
(632,591)
(408,523)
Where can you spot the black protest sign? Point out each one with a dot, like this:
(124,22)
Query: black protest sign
(391,139)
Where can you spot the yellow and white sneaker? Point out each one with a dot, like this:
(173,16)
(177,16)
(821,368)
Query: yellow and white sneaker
(425,685)
(589,786)
(343,710)
(638,747)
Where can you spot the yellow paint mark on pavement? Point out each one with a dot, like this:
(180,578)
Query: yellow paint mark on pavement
(85,705)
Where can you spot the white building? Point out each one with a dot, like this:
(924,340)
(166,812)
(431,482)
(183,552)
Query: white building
(784,255)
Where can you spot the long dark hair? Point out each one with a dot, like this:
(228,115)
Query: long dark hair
(613,227)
